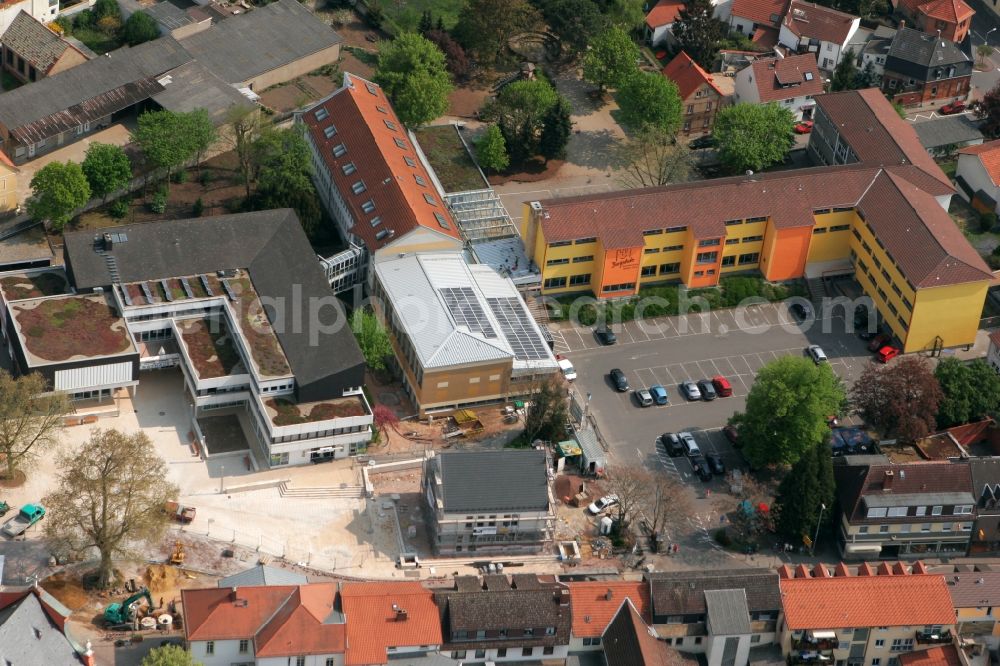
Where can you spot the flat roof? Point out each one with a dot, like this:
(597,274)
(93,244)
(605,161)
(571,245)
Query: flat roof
(33,283)
(208,342)
(285,410)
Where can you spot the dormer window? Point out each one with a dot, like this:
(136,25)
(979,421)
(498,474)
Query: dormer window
(321,114)
(329,131)
(339,150)
(359,187)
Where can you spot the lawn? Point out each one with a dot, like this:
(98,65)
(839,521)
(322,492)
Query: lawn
(210,346)
(451,161)
(405,16)
(289,413)
(61,328)
(257,331)
(96,40)
(18,288)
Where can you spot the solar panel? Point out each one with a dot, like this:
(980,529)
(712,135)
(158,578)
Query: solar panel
(166,291)
(147,293)
(229,290)
(204,283)
(515,324)
(187,287)
(125,296)
(466,310)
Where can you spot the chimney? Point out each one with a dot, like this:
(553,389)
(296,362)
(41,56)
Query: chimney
(902,24)
(401,614)
(564,597)
(232,593)
(88,656)
(887,479)
(609,595)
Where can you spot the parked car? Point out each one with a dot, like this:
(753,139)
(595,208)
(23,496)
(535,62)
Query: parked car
(605,335)
(804,127)
(707,141)
(690,390)
(707,389)
(569,372)
(619,380)
(25,518)
(722,386)
(958,106)
(672,444)
(659,394)
(643,397)
(878,341)
(700,468)
(817,354)
(887,353)
(732,434)
(602,503)
(690,446)
(715,463)
(801,310)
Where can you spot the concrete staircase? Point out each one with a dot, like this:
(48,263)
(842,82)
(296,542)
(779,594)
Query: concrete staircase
(345,491)
(817,289)
(537,309)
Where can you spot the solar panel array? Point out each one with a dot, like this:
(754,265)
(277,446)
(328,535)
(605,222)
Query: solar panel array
(465,309)
(515,323)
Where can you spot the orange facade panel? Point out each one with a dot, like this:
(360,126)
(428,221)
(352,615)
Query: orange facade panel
(785,253)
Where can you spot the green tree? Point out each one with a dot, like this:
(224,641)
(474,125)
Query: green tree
(283,173)
(169,655)
(139,28)
(866,77)
(546,414)
(901,112)
(753,136)
(983,51)
(243,127)
(57,189)
(109,497)
(199,132)
(161,137)
(900,399)
(519,111)
(845,75)
(611,60)
(107,169)
(411,70)
(484,26)
(803,493)
(625,14)
(697,33)
(576,22)
(105,8)
(30,420)
(970,391)
(491,150)
(787,410)
(650,99)
(652,157)
(557,126)
(987,110)
(372,338)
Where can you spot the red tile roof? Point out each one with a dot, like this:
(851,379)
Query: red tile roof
(360,119)
(867,601)
(989,155)
(371,619)
(950,11)
(664,13)
(7,161)
(805,19)
(282,620)
(761,12)
(593,606)
(784,78)
(944,655)
(688,75)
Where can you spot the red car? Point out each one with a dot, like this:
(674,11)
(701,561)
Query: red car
(722,386)
(804,127)
(732,434)
(887,353)
(957,106)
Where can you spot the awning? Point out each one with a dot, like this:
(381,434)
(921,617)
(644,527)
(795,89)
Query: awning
(863,548)
(823,634)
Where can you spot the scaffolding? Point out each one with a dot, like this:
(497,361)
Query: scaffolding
(481,215)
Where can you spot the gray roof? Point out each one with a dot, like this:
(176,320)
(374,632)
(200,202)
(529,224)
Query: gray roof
(920,499)
(28,636)
(262,575)
(927,50)
(728,614)
(31,40)
(986,484)
(168,15)
(493,481)
(269,244)
(974,588)
(243,47)
(948,131)
(682,592)
(192,86)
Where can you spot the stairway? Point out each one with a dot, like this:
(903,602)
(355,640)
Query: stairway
(536,306)
(345,491)
(817,289)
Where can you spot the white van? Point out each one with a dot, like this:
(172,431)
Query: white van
(567,369)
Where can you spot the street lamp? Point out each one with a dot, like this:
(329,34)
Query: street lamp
(822,508)
(986,39)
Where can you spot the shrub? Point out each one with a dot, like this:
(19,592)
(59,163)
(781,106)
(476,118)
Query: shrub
(987,221)
(179,176)
(65,24)
(994,261)
(198,208)
(119,208)
(204,177)
(722,538)
(84,19)
(159,203)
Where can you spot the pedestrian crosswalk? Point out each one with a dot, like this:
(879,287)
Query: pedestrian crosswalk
(668,463)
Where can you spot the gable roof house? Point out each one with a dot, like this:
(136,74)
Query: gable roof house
(389,619)
(942,137)
(922,68)
(760,20)
(950,19)
(792,82)
(659,21)
(701,98)
(825,32)
(31,51)
(978,175)
(33,630)
(629,641)
(596,602)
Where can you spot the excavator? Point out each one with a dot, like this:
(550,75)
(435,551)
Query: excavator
(123,614)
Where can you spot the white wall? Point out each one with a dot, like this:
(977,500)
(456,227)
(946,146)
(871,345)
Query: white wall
(226,653)
(971,169)
(741,24)
(514,654)
(311,660)
(745,87)
(94,377)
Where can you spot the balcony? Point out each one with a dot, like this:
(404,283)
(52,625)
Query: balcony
(808,658)
(926,638)
(815,645)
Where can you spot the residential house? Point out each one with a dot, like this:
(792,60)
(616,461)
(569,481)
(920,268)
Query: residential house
(978,176)
(659,22)
(265,626)
(389,622)
(497,618)
(701,98)
(975,594)
(461,333)
(922,68)
(760,20)
(993,353)
(629,641)
(488,502)
(986,489)
(44,11)
(372,180)
(951,19)
(596,602)
(941,655)
(155,296)
(824,32)
(263,575)
(9,174)
(792,82)
(942,137)
(870,617)
(904,511)
(722,614)
(875,51)
(31,51)
(33,630)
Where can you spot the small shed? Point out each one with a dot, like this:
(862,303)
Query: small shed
(593,459)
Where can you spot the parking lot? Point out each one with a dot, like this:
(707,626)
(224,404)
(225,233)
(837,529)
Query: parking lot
(734,343)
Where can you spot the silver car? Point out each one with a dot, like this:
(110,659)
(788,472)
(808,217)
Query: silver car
(817,354)
(690,390)
(644,398)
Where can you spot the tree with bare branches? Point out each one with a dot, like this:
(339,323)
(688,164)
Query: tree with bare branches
(632,486)
(669,507)
(30,419)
